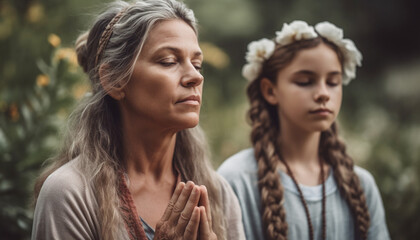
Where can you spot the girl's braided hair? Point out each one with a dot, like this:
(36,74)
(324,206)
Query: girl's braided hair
(265,129)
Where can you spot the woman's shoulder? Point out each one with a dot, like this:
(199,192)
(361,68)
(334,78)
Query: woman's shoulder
(232,211)
(66,186)
(240,163)
(225,189)
(67,179)
(66,206)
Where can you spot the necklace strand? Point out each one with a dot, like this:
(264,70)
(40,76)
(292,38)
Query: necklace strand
(308,216)
(324,217)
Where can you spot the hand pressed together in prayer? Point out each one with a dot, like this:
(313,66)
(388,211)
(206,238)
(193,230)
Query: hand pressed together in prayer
(187,216)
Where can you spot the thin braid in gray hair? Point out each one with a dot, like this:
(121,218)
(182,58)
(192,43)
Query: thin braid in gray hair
(107,34)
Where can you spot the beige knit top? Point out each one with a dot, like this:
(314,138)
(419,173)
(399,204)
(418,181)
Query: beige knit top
(68,209)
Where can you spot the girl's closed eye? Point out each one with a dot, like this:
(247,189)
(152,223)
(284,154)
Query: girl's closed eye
(303,81)
(334,81)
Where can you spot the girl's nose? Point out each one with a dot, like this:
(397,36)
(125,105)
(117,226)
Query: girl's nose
(322,94)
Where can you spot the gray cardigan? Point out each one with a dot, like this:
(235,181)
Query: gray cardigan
(240,171)
(67,208)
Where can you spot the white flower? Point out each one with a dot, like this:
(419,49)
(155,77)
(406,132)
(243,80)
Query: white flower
(297,30)
(261,50)
(251,70)
(352,56)
(258,52)
(352,51)
(329,31)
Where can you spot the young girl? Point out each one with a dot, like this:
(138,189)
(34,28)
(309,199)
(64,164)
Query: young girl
(134,165)
(297,182)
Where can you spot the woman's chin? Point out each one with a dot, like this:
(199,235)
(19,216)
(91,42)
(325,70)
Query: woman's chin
(189,122)
(192,123)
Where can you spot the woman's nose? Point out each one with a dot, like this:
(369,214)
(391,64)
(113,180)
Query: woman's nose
(192,77)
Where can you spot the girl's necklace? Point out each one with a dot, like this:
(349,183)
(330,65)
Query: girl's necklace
(308,217)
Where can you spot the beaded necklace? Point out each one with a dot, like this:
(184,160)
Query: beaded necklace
(308,216)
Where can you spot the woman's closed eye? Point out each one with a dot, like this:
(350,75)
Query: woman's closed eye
(198,66)
(172,62)
(167,62)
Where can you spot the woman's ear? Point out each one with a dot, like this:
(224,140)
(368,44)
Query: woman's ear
(268,91)
(115,91)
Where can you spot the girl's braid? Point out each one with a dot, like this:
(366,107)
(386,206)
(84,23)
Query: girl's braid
(263,137)
(334,152)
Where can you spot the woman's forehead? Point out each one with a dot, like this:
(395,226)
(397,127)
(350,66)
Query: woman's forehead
(175,34)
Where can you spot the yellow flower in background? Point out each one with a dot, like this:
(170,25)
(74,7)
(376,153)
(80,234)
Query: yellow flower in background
(66,53)
(8,20)
(62,114)
(42,80)
(214,55)
(80,90)
(14,112)
(35,13)
(54,40)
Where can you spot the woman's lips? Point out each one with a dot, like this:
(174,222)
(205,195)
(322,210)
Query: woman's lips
(192,100)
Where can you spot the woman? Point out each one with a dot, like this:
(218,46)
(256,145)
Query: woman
(134,142)
(298,182)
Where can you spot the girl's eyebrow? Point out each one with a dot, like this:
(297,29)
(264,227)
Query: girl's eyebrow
(305,72)
(335,73)
(312,73)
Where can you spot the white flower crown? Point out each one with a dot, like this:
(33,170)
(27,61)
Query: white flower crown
(261,50)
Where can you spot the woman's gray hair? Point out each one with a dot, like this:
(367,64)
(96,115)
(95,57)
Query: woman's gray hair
(127,39)
(94,132)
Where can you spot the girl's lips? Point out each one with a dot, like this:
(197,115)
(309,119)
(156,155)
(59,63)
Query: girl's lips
(321,112)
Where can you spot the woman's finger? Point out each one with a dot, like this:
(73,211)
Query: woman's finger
(191,230)
(186,214)
(204,201)
(179,205)
(204,224)
(179,187)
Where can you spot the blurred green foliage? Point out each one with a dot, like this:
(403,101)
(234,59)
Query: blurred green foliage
(380,120)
